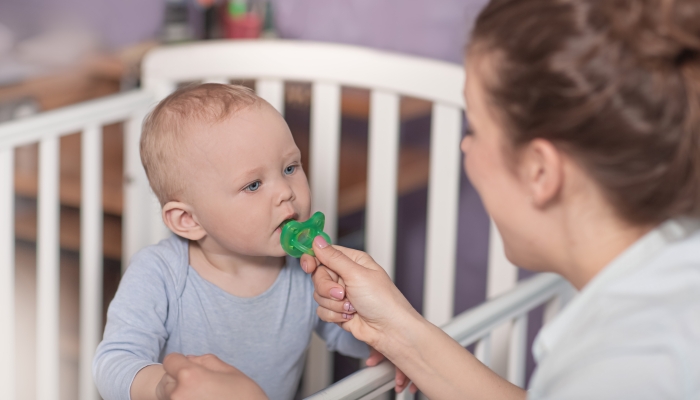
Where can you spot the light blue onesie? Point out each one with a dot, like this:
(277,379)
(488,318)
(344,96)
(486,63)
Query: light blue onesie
(163,306)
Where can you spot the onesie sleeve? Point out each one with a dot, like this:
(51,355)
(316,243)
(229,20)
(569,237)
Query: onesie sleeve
(340,340)
(136,330)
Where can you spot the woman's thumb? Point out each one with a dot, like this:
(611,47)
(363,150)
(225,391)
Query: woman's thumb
(333,258)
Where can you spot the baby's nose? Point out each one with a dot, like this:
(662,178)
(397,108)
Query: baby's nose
(286,193)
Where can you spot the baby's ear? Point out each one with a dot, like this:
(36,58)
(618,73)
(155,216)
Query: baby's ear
(178,217)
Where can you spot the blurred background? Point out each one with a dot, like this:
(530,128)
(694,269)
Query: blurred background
(54,53)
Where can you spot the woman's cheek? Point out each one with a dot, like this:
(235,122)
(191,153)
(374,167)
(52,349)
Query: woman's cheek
(472,168)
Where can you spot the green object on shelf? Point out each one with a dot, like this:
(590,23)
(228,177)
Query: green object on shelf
(298,237)
(237,8)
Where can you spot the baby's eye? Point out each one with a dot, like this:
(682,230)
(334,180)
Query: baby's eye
(290,169)
(253,186)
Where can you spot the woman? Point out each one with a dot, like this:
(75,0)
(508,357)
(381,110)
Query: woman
(586,154)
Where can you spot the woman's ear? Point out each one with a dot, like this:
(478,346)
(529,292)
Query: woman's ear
(543,169)
(178,217)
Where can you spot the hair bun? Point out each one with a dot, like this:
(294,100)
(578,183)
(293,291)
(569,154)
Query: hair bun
(660,30)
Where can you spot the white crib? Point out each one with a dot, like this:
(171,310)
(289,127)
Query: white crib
(499,325)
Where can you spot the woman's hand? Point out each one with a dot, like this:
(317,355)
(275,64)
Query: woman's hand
(401,380)
(205,378)
(369,305)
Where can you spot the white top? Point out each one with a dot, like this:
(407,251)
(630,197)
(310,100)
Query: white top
(634,331)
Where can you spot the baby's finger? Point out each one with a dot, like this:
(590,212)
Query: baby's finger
(339,306)
(332,316)
(308,263)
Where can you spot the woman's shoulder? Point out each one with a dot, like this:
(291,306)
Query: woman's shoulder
(670,273)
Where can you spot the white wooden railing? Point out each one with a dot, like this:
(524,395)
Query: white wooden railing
(468,328)
(46,130)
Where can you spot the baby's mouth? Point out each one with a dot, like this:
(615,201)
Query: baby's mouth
(284,223)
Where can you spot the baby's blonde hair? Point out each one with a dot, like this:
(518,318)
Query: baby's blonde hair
(165,127)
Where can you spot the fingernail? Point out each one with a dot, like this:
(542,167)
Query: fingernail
(337,293)
(345,316)
(320,242)
(303,266)
(351,309)
(347,306)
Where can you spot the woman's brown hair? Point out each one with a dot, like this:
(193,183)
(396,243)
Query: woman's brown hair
(615,83)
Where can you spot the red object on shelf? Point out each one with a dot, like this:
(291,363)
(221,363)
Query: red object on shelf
(246,26)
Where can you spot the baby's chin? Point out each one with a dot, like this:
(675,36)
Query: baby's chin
(278,252)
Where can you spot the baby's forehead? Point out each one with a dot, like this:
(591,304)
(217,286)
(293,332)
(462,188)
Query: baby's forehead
(255,135)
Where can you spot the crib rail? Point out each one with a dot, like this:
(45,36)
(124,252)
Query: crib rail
(468,328)
(46,130)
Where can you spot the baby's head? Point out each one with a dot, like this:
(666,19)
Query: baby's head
(225,169)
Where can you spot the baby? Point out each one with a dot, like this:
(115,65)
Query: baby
(227,172)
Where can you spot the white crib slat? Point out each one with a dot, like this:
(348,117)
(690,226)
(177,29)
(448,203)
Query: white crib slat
(216,79)
(381,183)
(135,231)
(443,198)
(159,87)
(552,308)
(483,350)
(324,160)
(7,274)
(517,354)
(91,222)
(47,349)
(325,151)
(502,277)
(272,90)
(406,394)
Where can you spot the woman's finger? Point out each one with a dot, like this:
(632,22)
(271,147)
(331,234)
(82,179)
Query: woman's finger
(326,286)
(336,260)
(165,387)
(358,257)
(331,316)
(402,381)
(212,362)
(173,363)
(338,306)
(374,358)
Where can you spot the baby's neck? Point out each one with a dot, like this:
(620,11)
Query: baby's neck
(239,275)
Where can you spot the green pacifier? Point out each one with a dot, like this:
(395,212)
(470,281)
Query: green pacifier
(297,237)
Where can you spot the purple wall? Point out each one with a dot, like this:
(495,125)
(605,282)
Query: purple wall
(435,28)
(116,23)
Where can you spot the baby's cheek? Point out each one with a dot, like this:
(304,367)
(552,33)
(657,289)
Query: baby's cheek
(304,206)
